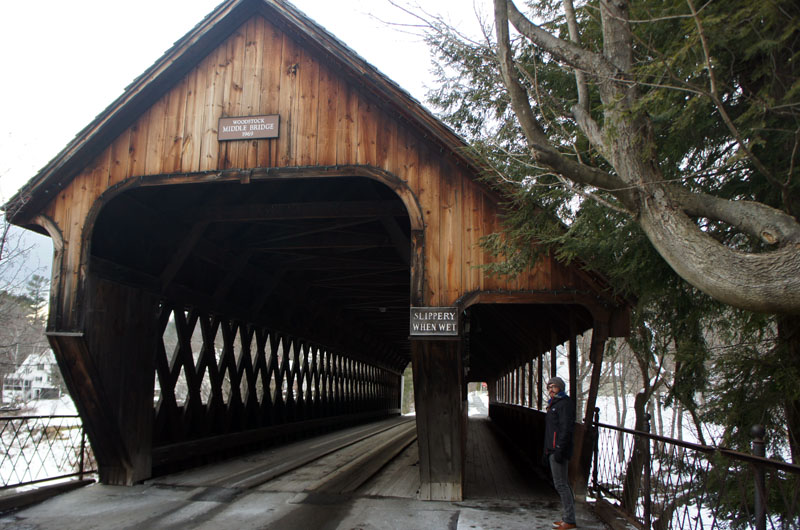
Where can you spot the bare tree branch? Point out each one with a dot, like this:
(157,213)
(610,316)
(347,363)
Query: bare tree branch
(574,36)
(538,142)
(769,224)
(567,52)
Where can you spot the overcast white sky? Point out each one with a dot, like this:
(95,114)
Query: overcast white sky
(66,61)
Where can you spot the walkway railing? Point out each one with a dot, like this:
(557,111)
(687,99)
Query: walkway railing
(35,449)
(663,483)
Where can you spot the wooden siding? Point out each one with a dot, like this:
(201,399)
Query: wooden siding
(326,120)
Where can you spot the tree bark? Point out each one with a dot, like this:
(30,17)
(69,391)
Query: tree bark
(768,282)
(633,472)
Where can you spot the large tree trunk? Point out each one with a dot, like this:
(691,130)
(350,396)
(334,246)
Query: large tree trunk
(632,481)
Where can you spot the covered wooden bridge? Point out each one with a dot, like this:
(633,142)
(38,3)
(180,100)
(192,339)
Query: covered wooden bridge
(258,236)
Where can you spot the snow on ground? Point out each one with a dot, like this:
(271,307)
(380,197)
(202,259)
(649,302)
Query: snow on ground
(478,403)
(34,446)
(608,415)
(52,407)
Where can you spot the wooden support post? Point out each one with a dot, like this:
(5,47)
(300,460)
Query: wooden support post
(438,378)
(553,353)
(573,363)
(539,390)
(598,345)
(109,370)
(580,466)
(120,332)
(530,383)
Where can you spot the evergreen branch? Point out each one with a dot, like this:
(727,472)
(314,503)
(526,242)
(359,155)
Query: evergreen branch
(793,157)
(714,95)
(653,19)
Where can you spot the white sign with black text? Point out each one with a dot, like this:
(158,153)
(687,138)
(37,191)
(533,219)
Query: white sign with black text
(434,322)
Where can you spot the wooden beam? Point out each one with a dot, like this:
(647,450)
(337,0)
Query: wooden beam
(438,377)
(182,253)
(297,210)
(293,232)
(239,265)
(573,363)
(329,240)
(539,381)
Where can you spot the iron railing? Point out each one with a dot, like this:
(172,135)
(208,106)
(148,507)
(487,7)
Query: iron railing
(663,483)
(35,449)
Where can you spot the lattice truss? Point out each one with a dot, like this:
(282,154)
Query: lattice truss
(519,386)
(216,376)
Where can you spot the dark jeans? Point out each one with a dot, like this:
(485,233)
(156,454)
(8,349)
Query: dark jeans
(561,482)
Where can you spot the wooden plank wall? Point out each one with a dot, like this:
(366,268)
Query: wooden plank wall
(325,121)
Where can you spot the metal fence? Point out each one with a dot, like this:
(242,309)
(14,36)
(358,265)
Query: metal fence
(663,483)
(36,449)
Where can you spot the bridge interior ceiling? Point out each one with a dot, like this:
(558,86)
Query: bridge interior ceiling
(326,260)
(502,336)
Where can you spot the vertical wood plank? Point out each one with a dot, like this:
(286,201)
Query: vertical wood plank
(73,198)
(367,132)
(270,90)
(193,119)
(347,126)
(174,127)
(215,70)
(429,199)
(452,259)
(473,210)
(409,161)
(308,110)
(290,63)
(231,154)
(385,139)
(99,177)
(155,137)
(119,161)
(327,136)
(138,146)
(251,84)
(488,227)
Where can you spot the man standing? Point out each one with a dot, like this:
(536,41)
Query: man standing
(559,426)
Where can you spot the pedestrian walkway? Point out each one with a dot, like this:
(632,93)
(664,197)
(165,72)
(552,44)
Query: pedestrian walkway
(499,494)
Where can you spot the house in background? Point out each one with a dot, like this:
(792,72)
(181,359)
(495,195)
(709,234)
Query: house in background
(34,379)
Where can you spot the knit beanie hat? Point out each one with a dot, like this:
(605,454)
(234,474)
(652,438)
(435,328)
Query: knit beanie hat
(558,382)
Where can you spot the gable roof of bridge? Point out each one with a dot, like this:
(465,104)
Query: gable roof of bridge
(183,56)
